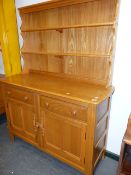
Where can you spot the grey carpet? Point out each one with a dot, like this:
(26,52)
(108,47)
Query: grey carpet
(21,158)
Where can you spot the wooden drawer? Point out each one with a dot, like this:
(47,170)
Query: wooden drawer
(64,108)
(20,95)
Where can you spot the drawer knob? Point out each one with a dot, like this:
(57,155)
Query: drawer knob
(47,104)
(25,98)
(37,125)
(8,92)
(74,113)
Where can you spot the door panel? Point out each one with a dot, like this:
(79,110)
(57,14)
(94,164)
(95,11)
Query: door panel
(74,141)
(29,121)
(53,132)
(23,120)
(15,114)
(64,137)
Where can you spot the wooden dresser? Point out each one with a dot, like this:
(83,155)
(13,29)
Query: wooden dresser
(61,101)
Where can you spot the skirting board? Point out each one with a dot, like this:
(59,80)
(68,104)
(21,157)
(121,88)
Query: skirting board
(112,155)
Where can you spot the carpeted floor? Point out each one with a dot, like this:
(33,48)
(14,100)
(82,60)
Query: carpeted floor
(21,158)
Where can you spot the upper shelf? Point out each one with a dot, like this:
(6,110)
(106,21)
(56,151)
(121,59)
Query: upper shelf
(66,54)
(50,4)
(68,27)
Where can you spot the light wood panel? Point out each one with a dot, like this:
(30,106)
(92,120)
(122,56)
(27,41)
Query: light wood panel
(102,110)
(99,149)
(87,40)
(74,15)
(22,120)
(73,143)
(22,96)
(69,110)
(59,45)
(64,137)
(61,28)
(81,91)
(50,4)
(60,54)
(83,68)
(15,116)
(101,131)
(84,41)
(53,135)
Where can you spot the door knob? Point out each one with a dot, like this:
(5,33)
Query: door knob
(47,104)
(74,113)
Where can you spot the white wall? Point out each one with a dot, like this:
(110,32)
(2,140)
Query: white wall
(1,64)
(121,102)
(27,2)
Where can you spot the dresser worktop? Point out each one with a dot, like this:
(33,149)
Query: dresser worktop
(75,90)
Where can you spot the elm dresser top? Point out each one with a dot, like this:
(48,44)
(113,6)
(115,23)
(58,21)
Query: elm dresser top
(71,89)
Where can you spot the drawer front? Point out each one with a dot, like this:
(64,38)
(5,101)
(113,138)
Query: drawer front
(64,108)
(20,95)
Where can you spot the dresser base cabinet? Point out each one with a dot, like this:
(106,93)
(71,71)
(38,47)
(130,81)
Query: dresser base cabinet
(71,130)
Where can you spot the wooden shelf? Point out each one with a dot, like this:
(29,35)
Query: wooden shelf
(51,4)
(68,27)
(72,39)
(66,54)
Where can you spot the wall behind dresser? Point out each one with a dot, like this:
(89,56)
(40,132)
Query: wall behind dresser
(1,64)
(121,102)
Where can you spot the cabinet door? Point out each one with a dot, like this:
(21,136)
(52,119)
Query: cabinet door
(29,122)
(15,116)
(53,132)
(74,141)
(22,118)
